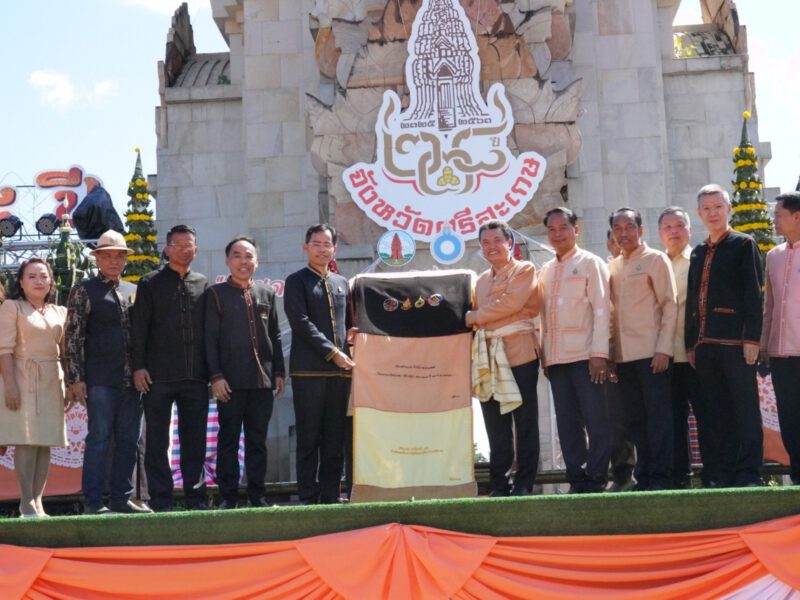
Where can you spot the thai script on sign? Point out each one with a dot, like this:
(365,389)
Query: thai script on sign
(67,188)
(444,162)
(465,222)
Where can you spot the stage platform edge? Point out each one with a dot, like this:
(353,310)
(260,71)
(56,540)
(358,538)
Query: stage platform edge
(555,515)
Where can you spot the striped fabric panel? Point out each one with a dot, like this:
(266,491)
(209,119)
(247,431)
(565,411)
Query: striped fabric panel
(694,444)
(211,448)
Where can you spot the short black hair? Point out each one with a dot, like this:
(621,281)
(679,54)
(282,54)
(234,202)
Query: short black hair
(322,227)
(240,238)
(637,216)
(181,229)
(17,292)
(496,224)
(790,201)
(561,210)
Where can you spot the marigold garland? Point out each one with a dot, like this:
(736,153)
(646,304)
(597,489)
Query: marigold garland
(750,212)
(755,206)
(141,237)
(753,226)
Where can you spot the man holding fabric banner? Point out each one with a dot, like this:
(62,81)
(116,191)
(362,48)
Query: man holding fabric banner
(505,360)
(315,301)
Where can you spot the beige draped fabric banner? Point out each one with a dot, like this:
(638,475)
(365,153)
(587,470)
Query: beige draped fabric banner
(412,414)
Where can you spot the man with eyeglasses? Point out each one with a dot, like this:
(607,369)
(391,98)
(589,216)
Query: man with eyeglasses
(315,301)
(169,367)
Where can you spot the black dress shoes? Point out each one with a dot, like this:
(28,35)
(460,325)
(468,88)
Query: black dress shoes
(260,503)
(128,507)
(95,509)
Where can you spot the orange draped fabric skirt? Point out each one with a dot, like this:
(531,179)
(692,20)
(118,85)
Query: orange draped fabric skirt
(407,562)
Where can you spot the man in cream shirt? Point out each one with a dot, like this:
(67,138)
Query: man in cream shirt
(573,288)
(674,229)
(645,315)
(506,303)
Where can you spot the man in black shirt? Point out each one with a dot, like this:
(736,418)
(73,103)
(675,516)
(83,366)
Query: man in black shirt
(315,302)
(722,337)
(169,366)
(245,363)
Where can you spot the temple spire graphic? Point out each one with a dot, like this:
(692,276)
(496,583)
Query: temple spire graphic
(397,248)
(443,70)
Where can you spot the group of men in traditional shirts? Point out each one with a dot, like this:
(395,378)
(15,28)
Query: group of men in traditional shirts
(136,349)
(631,343)
(627,347)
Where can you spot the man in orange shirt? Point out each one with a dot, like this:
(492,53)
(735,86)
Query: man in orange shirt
(645,315)
(506,304)
(573,288)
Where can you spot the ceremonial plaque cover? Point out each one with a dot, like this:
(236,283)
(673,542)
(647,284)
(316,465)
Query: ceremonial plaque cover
(412,404)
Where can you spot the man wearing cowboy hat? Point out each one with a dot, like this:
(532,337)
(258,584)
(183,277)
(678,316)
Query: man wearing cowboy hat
(99,374)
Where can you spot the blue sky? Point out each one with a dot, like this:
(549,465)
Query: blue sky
(80,84)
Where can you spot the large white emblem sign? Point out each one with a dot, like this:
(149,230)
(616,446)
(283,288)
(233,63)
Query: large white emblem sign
(444,162)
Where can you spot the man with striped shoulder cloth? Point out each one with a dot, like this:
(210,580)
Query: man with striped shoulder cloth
(506,360)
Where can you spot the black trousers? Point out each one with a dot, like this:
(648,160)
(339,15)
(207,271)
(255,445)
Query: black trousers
(500,430)
(191,397)
(251,410)
(786,381)
(686,391)
(647,400)
(623,455)
(320,413)
(581,413)
(731,390)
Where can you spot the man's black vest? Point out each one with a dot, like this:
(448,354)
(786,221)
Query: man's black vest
(105,348)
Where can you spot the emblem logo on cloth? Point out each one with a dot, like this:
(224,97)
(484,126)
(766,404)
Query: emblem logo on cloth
(396,248)
(444,163)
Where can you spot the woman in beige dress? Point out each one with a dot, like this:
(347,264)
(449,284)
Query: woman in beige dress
(33,395)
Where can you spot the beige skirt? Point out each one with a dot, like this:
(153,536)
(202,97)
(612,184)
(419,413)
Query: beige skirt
(40,419)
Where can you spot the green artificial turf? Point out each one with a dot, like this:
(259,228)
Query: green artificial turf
(627,513)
